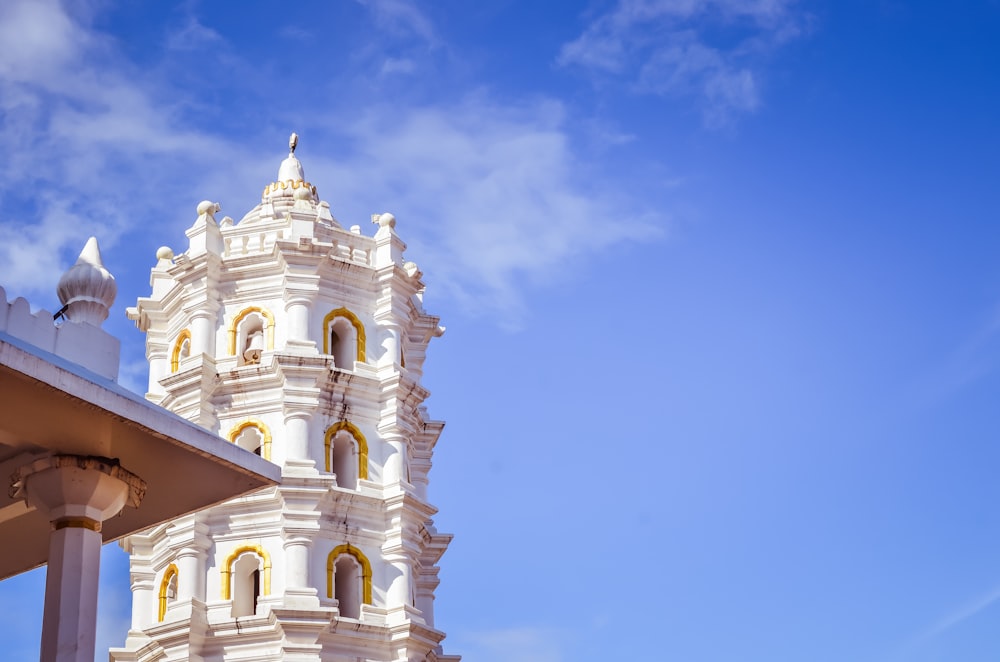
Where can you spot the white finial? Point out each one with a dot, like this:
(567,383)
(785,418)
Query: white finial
(293,141)
(87,290)
(208,208)
(291,169)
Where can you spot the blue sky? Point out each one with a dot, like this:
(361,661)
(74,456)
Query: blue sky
(719,278)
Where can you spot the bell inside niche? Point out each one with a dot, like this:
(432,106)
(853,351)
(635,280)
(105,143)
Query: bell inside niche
(255,345)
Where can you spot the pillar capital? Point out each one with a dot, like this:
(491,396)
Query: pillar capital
(74,489)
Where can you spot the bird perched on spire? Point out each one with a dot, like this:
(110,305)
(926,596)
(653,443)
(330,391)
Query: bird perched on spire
(292,142)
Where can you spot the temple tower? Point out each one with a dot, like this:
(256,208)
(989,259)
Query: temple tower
(303,342)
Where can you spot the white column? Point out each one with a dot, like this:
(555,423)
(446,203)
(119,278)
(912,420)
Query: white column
(203,333)
(298,322)
(69,624)
(296,448)
(425,603)
(190,579)
(393,469)
(298,590)
(297,555)
(390,344)
(143,599)
(159,367)
(297,435)
(398,594)
(77,493)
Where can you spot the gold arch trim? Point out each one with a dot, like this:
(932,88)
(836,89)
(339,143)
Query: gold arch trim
(359,330)
(169,574)
(353,430)
(240,316)
(227,569)
(366,570)
(265,432)
(175,355)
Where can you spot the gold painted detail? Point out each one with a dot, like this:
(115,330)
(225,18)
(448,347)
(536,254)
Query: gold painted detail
(366,570)
(169,574)
(76,523)
(353,430)
(289,184)
(227,569)
(175,355)
(265,433)
(268,326)
(359,330)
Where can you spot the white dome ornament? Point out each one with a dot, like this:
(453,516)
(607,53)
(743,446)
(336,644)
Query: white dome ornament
(87,290)
(291,178)
(164,256)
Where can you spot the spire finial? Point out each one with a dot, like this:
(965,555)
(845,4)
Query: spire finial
(87,289)
(292,142)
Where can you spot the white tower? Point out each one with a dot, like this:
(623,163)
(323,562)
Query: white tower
(305,343)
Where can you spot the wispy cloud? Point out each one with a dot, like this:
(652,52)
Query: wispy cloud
(492,194)
(193,36)
(402,17)
(394,65)
(950,621)
(709,50)
(89,146)
(973,358)
(496,192)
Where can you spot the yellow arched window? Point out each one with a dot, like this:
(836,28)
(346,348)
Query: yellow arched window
(168,590)
(344,337)
(246,323)
(246,575)
(252,435)
(359,439)
(182,349)
(349,577)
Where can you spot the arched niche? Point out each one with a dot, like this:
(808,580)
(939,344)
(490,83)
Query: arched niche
(168,591)
(246,576)
(349,580)
(346,453)
(344,338)
(252,328)
(181,350)
(252,435)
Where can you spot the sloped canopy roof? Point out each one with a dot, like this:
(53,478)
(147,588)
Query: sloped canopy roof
(51,405)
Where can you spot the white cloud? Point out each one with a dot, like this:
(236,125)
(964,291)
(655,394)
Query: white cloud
(663,47)
(38,38)
(193,36)
(492,195)
(87,146)
(398,66)
(402,17)
(496,193)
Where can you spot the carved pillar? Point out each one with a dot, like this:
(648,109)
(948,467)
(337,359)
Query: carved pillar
(77,493)
(203,332)
(143,599)
(394,468)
